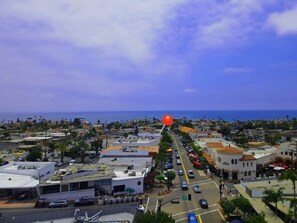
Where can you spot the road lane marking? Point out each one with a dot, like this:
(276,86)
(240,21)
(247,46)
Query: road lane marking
(199,215)
(147,203)
(192,210)
(181,160)
(156,205)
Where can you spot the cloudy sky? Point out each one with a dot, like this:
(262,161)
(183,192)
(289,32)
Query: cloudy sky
(110,55)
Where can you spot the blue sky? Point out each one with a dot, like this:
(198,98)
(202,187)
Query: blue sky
(111,55)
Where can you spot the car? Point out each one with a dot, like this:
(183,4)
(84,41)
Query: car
(23,196)
(191,174)
(203,203)
(140,208)
(168,166)
(180,172)
(192,218)
(184,185)
(72,162)
(59,203)
(178,162)
(177,156)
(84,201)
(197,188)
(169,160)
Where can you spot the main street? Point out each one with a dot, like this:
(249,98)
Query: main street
(209,187)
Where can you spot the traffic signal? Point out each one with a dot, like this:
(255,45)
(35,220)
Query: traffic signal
(189,197)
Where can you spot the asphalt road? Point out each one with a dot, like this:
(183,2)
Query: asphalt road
(210,192)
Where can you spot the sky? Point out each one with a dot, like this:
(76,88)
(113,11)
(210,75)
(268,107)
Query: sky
(128,55)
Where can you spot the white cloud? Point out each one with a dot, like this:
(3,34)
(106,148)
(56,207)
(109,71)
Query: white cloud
(284,22)
(124,28)
(222,23)
(237,70)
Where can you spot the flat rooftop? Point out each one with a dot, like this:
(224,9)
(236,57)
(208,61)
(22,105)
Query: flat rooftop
(81,172)
(10,181)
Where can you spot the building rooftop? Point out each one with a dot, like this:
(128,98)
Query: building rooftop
(17,181)
(247,157)
(212,145)
(81,172)
(231,150)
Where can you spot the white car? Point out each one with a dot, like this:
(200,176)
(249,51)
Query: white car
(140,208)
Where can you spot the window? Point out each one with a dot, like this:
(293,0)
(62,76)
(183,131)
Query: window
(232,161)
(247,164)
(235,161)
(243,164)
(219,158)
(251,163)
(282,153)
(64,188)
(51,189)
(245,173)
(119,188)
(74,186)
(249,173)
(286,153)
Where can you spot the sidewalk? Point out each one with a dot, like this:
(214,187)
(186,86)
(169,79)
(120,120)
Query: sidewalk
(7,204)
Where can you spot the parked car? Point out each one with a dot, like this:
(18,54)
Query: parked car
(140,208)
(180,172)
(178,162)
(177,156)
(168,166)
(203,203)
(23,196)
(184,185)
(59,203)
(197,188)
(192,218)
(84,201)
(191,174)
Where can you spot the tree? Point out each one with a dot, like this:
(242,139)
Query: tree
(62,147)
(160,177)
(96,145)
(272,196)
(243,204)
(81,147)
(197,149)
(156,217)
(290,174)
(34,155)
(256,218)
(170,176)
(228,207)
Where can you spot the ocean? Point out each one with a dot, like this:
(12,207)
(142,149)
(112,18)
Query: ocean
(123,116)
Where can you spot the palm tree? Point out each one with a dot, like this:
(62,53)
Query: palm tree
(62,147)
(291,175)
(96,145)
(272,196)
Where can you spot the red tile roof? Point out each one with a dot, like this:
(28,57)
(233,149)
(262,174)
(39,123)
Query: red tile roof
(230,150)
(247,157)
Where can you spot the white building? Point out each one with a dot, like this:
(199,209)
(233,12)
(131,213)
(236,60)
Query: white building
(19,177)
(91,180)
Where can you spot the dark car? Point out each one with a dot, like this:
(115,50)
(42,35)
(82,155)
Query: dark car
(168,166)
(177,156)
(203,203)
(192,218)
(23,196)
(57,204)
(84,201)
(191,174)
